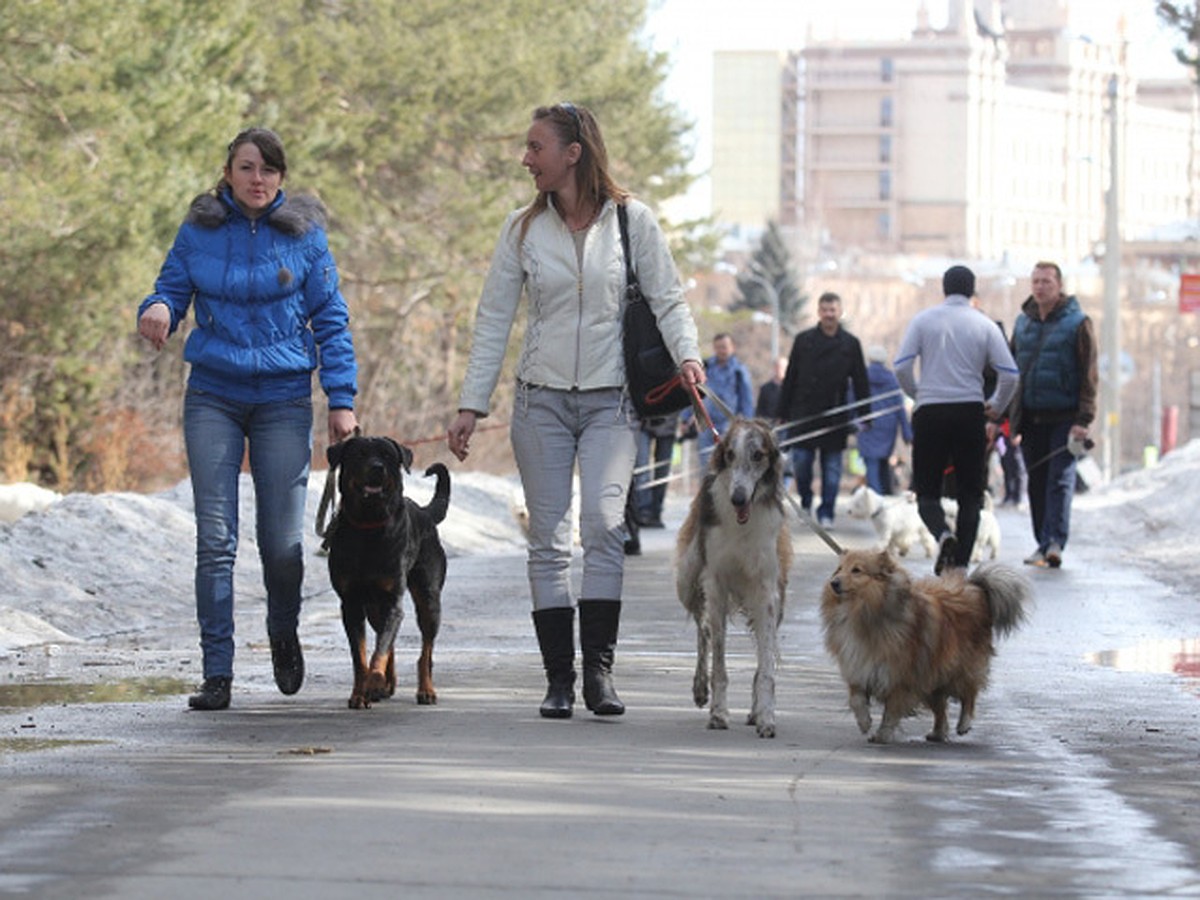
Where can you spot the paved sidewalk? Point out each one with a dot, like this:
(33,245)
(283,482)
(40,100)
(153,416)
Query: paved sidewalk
(300,797)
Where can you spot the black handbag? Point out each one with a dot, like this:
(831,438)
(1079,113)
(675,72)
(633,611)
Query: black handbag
(649,368)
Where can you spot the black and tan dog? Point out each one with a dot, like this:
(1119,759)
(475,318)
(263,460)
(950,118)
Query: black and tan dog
(380,542)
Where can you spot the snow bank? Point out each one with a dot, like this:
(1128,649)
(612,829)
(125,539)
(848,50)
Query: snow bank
(97,566)
(18,499)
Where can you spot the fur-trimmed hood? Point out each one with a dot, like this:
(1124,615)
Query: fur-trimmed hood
(293,216)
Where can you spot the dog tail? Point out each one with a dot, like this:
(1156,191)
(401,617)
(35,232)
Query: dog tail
(1009,595)
(440,502)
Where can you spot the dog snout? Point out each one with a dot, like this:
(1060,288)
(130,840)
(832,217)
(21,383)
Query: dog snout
(835,584)
(375,474)
(740,496)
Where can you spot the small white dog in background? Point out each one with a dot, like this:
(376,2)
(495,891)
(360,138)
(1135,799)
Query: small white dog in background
(988,536)
(896,520)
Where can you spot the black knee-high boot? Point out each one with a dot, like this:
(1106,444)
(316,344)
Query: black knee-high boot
(599,621)
(556,637)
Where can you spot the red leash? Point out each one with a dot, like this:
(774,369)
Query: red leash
(700,409)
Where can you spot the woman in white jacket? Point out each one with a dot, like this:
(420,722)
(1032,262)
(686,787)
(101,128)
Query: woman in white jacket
(563,252)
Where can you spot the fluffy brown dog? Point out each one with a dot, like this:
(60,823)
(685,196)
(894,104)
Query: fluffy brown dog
(913,643)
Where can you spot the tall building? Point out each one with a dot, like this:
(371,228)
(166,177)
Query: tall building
(755,142)
(984,140)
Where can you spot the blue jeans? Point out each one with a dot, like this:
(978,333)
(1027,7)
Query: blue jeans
(831,478)
(879,474)
(216,432)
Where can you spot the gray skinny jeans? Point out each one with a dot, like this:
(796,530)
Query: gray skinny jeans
(551,430)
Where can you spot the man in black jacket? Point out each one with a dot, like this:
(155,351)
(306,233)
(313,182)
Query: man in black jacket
(825,361)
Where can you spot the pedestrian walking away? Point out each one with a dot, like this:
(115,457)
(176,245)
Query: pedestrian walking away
(955,344)
(572,408)
(825,363)
(268,311)
(877,444)
(1054,344)
(655,447)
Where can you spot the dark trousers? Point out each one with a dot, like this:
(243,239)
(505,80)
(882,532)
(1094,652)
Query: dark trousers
(950,434)
(1050,470)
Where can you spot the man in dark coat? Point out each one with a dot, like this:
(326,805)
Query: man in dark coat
(825,361)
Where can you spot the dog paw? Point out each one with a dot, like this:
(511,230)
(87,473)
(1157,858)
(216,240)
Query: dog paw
(718,723)
(427,698)
(880,737)
(937,737)
(766,730)
(358,701)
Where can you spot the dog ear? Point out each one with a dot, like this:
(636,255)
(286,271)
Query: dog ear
(406,455)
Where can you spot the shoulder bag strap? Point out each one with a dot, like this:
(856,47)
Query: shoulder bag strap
(631,280)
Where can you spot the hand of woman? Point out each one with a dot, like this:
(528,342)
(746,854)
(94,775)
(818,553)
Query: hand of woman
(458,437)
(342,424)
(693,372)
(155,324)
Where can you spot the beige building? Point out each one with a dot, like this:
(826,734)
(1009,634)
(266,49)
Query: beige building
(754,149)
(984,140)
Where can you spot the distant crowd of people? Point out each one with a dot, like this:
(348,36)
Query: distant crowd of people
(961,394)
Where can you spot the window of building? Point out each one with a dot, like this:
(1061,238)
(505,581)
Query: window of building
(885,185)
(885,112)
(887,69)
(883,226)
(885,148)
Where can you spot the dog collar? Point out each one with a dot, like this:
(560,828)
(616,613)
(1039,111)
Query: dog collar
(365,526)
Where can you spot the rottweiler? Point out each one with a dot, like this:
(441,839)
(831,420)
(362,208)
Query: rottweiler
(380,543)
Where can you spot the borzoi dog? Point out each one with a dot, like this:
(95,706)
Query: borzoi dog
(733,555)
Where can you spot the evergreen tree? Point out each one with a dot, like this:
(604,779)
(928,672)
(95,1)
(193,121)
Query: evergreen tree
(406,117)
(772,263)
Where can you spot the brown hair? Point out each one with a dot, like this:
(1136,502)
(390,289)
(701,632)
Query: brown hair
(269,144)
(1049,265)
(829,297)
(576,124)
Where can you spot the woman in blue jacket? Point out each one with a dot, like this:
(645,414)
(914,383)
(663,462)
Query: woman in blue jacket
(268,312)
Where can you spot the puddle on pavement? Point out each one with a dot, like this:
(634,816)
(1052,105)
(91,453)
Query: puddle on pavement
(1175,657)
(53,693)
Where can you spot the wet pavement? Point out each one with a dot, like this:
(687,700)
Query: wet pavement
(1078,779)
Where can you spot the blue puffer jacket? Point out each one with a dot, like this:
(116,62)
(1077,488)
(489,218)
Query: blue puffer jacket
(268,308)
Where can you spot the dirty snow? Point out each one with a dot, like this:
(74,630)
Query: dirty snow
(91,567)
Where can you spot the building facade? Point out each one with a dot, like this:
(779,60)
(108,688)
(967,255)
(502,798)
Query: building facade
(987,139)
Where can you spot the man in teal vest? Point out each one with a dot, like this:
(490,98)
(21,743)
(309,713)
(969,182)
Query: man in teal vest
(1054,344)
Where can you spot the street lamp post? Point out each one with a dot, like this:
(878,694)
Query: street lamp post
(1110,383)
(772,295)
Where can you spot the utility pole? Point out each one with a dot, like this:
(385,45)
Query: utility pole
(1110,379)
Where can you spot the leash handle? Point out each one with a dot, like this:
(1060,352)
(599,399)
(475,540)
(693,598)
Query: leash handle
(701,411)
